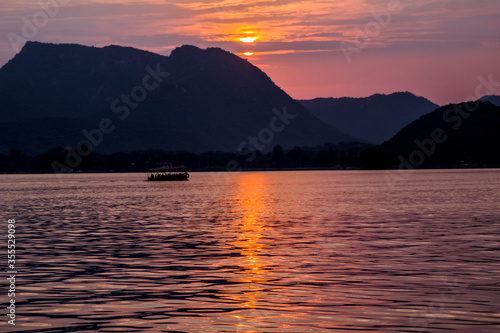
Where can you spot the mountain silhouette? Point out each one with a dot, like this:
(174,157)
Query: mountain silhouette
(493,99)
(454,135)
(376,118)
(123,99)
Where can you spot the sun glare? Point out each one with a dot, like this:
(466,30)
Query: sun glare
(248,39)
(248,54)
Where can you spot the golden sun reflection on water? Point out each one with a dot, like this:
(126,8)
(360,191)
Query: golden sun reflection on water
(249,196)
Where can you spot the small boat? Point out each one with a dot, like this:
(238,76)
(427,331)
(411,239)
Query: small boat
(168,173)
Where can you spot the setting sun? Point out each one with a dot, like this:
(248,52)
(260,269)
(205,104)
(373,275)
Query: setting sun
(248,39)
(248,54)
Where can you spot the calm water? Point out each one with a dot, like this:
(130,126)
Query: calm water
(256,252)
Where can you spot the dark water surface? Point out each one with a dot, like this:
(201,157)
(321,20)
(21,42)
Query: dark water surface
(329,251)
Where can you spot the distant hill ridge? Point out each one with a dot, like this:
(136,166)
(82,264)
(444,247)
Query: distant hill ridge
(205,100)
(493,99)
(376,118)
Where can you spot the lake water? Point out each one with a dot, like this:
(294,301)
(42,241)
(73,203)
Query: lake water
(309,251)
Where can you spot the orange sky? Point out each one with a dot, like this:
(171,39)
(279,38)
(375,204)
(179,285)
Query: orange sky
(433,48)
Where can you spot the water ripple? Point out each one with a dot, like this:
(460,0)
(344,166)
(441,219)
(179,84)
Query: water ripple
(257,252)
